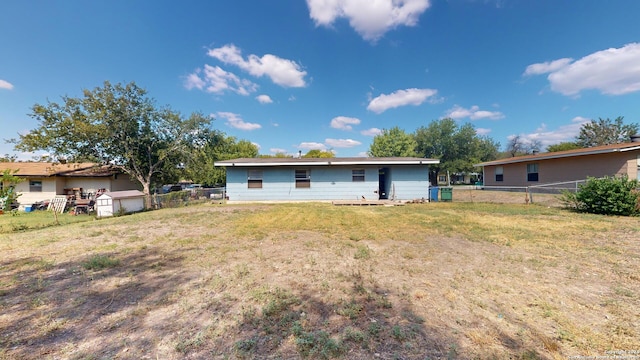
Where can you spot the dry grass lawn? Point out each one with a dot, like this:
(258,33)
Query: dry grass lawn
(461,280)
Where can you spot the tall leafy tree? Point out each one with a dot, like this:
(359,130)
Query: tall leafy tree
(118,125)
(457,147)
(212,146)
(392,143)
(605,131)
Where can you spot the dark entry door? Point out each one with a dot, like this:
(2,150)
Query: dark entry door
(383,192)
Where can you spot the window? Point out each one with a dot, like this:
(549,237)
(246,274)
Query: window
(499,173)
(35,186)
(442,179)
(532,172)
(254,179)
(303,180)
(357,175)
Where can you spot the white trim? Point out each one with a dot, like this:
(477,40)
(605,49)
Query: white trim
(328,163)
(554,156)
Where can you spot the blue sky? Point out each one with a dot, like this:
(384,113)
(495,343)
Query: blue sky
(294,75)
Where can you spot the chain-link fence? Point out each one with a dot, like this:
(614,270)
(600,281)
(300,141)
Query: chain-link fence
(188,197)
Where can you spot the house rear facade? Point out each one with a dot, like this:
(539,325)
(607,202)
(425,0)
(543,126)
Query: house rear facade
(561,166)
(308,179)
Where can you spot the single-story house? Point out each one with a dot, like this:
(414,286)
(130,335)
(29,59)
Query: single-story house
(128,201)
(564,166)
(327,179)
(43,181)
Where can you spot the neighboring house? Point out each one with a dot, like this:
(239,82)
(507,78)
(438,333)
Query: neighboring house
(43,181)
(561,166)
(327,179)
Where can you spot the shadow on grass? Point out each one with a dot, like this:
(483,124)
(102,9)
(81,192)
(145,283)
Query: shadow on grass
(363,325)
(51,308)
(145,305)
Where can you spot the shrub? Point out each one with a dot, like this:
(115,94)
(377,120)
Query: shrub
(606,196)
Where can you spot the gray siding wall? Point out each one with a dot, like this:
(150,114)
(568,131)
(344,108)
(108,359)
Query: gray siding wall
(327,183)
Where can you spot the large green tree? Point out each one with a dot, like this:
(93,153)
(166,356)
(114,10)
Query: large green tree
(393,142)
(457,147)
(605,131)
(117,125)
(212,146)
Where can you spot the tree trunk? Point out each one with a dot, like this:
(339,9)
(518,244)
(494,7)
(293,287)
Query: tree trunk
(147,195)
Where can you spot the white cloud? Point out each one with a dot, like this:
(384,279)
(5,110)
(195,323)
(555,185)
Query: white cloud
(277,151)
(561,134)
(400,98)
(371,132)
(369,18)
(6,85)
(473,113)
(614,71)
(546,67)
(311,146)
(264,99)
(342,143)
(344,123)
(235,121)
(286,73)
(482,131)
(214,79)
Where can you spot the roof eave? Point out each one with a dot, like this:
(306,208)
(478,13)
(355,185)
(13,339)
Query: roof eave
(555,156)
(328,163)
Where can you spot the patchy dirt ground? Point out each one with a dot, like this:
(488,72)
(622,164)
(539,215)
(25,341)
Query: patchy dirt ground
(202,283)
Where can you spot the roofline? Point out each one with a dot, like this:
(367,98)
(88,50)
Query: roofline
(555,155)
(231,163)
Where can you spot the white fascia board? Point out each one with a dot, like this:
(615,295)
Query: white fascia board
(258,164)
(630,148)
(402,162)
(557,156)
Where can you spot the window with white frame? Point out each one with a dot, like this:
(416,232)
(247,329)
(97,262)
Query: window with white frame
(254,179)
(303,180)
(357,175)
(499,173)
(532,172)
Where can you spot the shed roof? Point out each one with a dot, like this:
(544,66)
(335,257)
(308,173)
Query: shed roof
(257,162)
(126,194)
(44,169)
(604,149)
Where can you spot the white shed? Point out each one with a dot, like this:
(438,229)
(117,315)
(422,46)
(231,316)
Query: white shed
(115,202)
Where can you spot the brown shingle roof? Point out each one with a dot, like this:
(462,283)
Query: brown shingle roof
(44,169)
(630,146)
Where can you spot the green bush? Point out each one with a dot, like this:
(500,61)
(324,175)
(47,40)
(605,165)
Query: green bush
(606,196)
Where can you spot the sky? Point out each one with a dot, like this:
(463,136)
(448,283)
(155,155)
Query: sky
(296,75)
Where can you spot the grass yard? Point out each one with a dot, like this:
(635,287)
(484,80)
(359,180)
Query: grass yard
(461,280)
